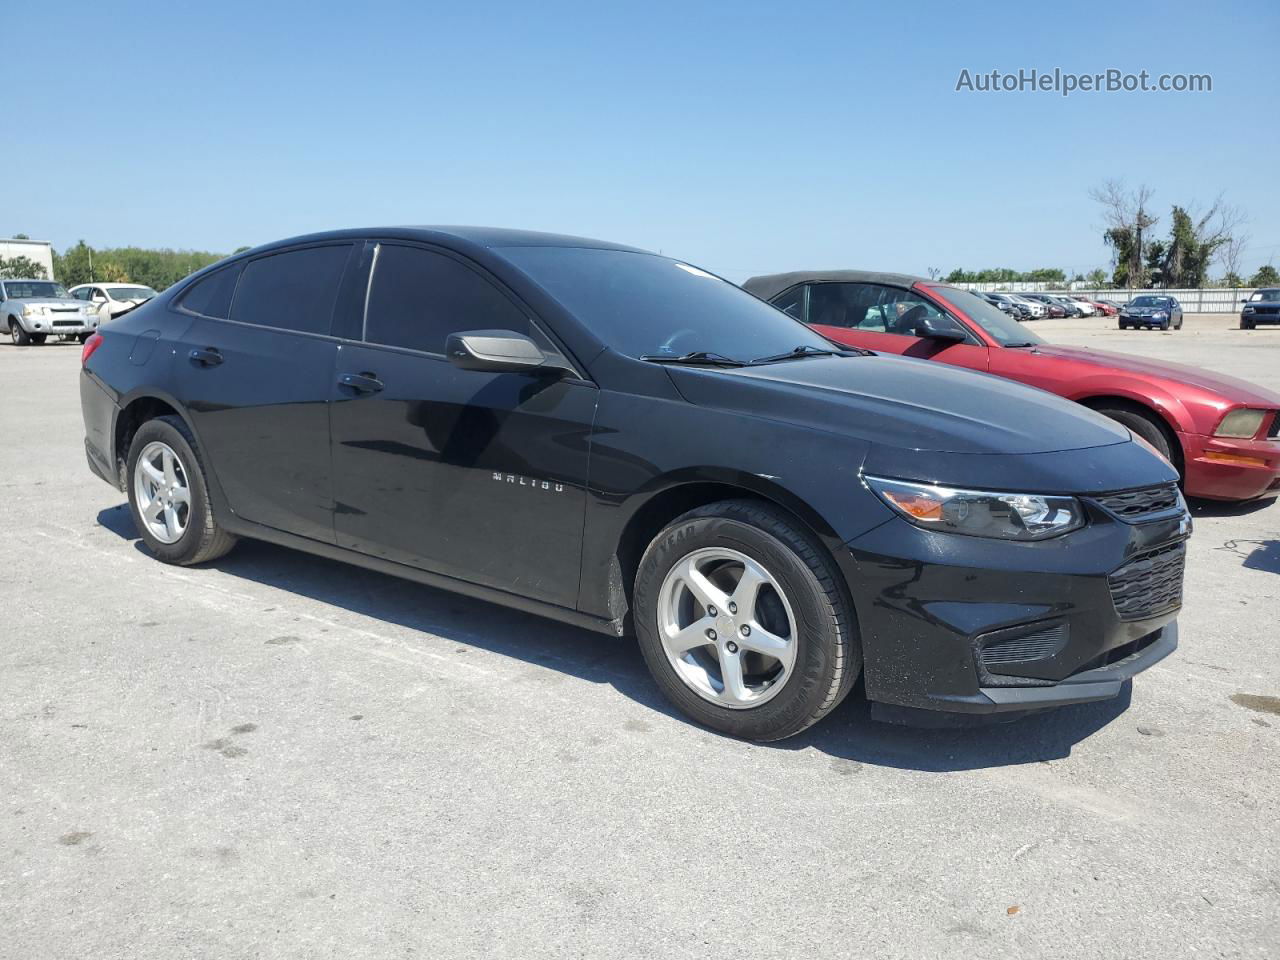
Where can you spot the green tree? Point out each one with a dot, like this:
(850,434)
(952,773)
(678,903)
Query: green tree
(1233,280)
(21,267)
(1097,278)
(1265,277)
(1045,275)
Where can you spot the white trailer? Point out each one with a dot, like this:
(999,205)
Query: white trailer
(40,251)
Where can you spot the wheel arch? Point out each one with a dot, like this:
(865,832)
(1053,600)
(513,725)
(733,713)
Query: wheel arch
(1156,414)
(673,496)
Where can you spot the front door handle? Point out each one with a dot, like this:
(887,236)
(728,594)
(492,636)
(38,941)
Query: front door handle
(363,383)
(206,357)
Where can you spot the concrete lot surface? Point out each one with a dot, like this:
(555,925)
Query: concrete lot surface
(280,756)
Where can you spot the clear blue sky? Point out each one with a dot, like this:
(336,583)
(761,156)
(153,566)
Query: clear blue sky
(743,136)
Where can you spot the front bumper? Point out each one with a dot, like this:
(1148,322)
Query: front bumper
(59,325)
(940,613)
(1222,468)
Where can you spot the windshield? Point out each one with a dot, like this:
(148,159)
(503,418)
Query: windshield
(1266,295)
(130,293)
(1001,327)
(645,305)
(31,289)
(1150,302)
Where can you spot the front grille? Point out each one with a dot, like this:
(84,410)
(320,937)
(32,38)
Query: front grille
(1150,584)
(1267,310)
(1038,645)
(1134,505)
(66,323)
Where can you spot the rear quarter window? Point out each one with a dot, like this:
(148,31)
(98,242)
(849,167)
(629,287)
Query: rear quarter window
(210,296)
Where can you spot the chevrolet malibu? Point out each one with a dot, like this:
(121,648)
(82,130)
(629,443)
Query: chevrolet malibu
(1223,434)
(627,443)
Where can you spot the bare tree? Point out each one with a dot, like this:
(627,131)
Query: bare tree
(934,272)
(1128,218)
(1231,255)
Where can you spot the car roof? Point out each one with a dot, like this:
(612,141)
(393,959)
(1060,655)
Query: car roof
(489,237)
(769,285)
(25,280)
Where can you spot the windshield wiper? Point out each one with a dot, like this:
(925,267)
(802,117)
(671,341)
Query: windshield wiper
(1024,343)
(805,350)
(703,358)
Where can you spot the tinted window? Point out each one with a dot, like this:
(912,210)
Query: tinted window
(640,304)
(210,296)
(82,294)
(418,298)
(792,302)
(292,291)
(870,306)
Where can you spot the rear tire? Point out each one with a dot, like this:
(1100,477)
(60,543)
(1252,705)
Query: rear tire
(1144,425)
(200,538)
(802,607)
(19,336)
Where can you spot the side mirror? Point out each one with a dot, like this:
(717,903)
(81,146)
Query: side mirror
(931,329)
(496,351)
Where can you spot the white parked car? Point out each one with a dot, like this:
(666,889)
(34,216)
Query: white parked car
(1087,309)
(1035,306)
(109,299)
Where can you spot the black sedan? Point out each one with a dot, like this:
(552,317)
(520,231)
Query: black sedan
(628,443)
(1261,307)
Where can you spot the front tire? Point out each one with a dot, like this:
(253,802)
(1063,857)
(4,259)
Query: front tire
(1144,425)
(19,336)
(168,495)
(744,621)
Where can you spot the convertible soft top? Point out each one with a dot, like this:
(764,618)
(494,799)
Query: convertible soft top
(769,285)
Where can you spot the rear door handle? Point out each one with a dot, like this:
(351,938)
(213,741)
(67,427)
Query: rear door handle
(363,383)
(206,357)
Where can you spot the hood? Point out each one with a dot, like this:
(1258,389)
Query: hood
(53,301)
(903,402)
(1228,387)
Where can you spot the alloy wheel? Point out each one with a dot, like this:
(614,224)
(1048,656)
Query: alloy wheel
(162,492)
(727,628)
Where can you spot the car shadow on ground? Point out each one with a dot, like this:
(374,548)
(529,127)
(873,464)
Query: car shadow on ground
(1227,508)
(848,733)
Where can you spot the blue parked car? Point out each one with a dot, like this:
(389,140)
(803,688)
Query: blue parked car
(1151,312)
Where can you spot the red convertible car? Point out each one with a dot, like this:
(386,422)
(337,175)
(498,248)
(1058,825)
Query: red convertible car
(1222,434)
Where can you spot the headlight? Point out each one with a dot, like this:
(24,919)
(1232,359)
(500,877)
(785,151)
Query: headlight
(1159,315)
(34,310)
(1241,424)
(1248,310)
(979,513)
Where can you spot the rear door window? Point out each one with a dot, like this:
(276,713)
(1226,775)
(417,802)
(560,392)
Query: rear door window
(294,290)
(418,297)
(210,296)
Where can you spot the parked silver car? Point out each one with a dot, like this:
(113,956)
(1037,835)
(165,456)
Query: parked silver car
(31,310)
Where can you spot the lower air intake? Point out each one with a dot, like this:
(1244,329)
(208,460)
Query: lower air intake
(1022,648)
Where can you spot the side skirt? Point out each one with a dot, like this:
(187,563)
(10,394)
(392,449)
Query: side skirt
(253,531)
